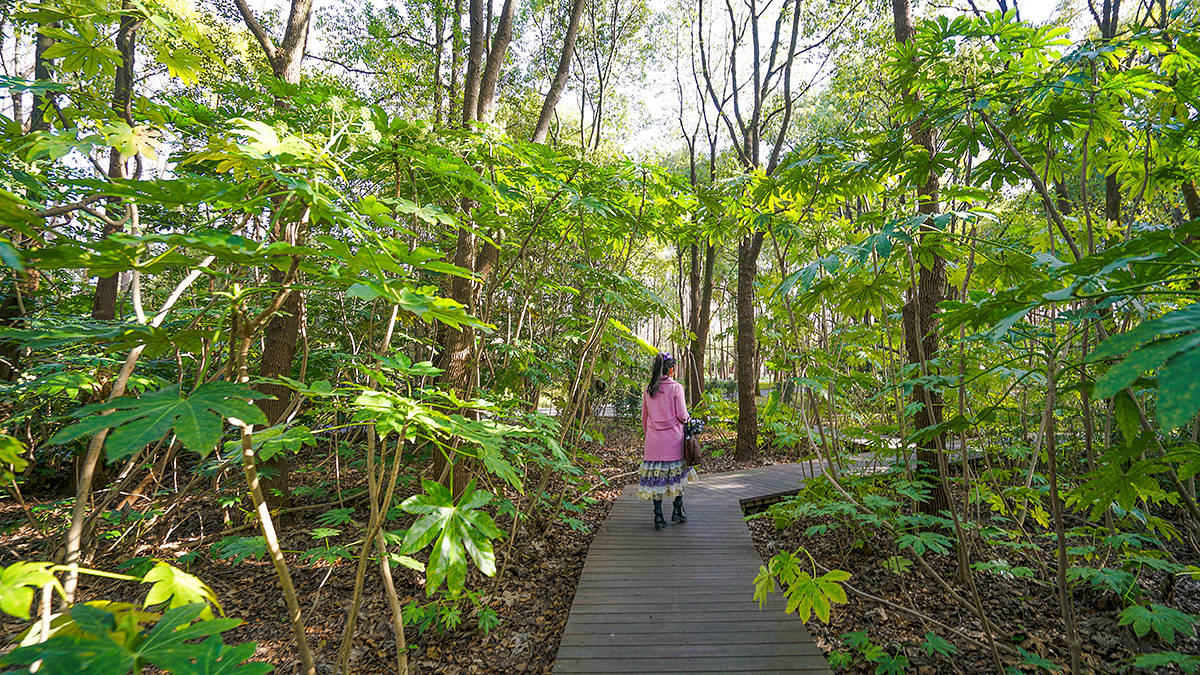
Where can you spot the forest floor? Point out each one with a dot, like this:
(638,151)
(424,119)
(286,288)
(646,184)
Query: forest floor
(532,599)
(1026,614)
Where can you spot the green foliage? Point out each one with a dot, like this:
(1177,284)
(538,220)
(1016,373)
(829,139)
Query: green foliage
(108,642)
(1187,663)
(452,526)
(19,581)
(236,549)
(1165,622)
(196,419)
(806,593)
(178,588)
(935,644)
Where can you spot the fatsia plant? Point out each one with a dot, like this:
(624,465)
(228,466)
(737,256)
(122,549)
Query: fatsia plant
(457,528)
(114,637)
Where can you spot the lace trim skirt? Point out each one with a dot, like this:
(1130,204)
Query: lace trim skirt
(658,480)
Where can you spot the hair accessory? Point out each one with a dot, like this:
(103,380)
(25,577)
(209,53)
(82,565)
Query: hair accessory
(667,359)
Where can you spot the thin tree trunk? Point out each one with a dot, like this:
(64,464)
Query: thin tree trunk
(495,59)
(104,302)
(560,76)
(456,44)
(41,73)
(920,324)
(747,358)
(439,43)
(283,330)
(474,63)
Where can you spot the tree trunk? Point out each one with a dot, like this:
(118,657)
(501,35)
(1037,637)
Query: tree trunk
(455,49)
(439,42)
(16,305)
(920,323)
(283,330)
(495,59)
(702,314)
(470,109)
(747,376)
(104,302)
(560,76)
(1191,199)
(41,73)
(290,55)
(279,350)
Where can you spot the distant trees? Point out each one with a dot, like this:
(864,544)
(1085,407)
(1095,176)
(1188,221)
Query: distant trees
(755,105)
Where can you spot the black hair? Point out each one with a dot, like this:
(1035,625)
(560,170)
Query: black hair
(662,364)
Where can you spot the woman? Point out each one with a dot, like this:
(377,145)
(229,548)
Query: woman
(663,470)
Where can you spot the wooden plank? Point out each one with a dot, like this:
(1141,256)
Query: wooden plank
(748,663)
(689,651)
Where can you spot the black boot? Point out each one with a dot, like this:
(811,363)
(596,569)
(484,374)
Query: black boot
(678,516)
(659,521)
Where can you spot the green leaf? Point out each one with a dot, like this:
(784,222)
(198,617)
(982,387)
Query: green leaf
(1166,622)
(922,541)
(212,657)
(457,530)
(1179,390)
(166,644)
(935,644)
(239,548)
(11,461)
(19,581)
(1037,661)
(198,420)
(1140,361)
(1172,323)
(1188,663)
(1129,420)
(178,588)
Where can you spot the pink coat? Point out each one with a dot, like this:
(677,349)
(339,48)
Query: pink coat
(663,416)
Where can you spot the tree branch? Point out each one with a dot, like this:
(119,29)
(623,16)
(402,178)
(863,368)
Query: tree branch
(1038,184)
(256,28)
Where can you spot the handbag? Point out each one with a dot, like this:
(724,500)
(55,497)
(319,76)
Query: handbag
(691,441)
(691,451)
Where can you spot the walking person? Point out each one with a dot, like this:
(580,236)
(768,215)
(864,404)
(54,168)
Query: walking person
(664,473)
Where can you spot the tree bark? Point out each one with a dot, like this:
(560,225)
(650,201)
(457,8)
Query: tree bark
(104,302)
(702,314)
(470,110)
(439,42)
(455,49)
(1191,199)
(747,374)
(560,76)
(495,59)
(920,322)
(41,73)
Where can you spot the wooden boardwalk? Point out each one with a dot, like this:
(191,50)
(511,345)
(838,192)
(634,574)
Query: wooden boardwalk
(681,599)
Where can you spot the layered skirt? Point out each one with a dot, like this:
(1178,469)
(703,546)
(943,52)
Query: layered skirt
(658,480)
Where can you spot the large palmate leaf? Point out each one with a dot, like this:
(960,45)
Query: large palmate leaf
(108,644)
(19,581)
(1170,344)
(457,526)
(198,420)
(1166,622)
(178,588)
(806,595)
